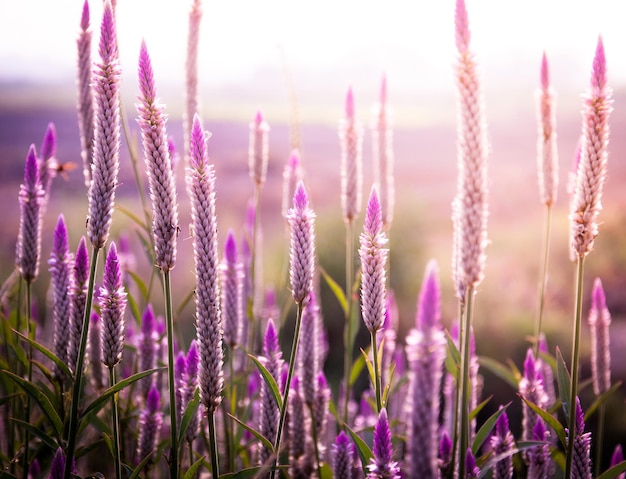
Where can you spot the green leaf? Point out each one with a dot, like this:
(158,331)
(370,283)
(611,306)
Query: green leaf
(485,430)
(474,412)
(493,460)
(106,395)
(613,472)
(143,289)
(368,363)
(365,453)
(548,419)
(357,367)
(131,215)
(269,380)
(45,438)
(601,400)
(190,410)
(191,472)
(325,472)
(565,384)
(251,472)
(141,465)
(49,354)
(42,400)
(500,370)
(254,432)
(337,291)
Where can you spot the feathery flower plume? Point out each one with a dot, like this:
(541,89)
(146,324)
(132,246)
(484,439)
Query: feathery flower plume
(191,71)
(341,453)
(547,158)
(426,351)
(78,301)
(502,442)
(308,361)
(232,288)
(540,465)
(112,307)
(616,458)
(201,187)
(470,209)
(531,388)
(599,322)
(190,376)
(258,149)
(591,173)
(351,137)
(85,105)
(300,464)
(581,461)
(95,351)
(150,422)
(373,260)
(106,165)
(320,405)
(159,166)
(147,349)
(292,174)
(302,254)
(382,465)
(47,160)
(382,148)
(60,275)
(31,198)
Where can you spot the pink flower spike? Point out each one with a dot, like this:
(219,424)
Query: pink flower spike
(545,72)
(373,216)
(108,42)
(146,75)
(598,74)
(383,90)
(84,18)
(462,27)
(350,104)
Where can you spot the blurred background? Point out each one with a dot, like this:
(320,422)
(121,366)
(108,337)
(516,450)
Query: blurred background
(263,55)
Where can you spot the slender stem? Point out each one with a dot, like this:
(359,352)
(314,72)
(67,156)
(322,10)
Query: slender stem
(117,449)
(315,440)
(215,466)
(253,253)
(348,334)
(377,384)
(544,277)
(599,439)
(464,338)
(169,319)
(190,449)
(18,368)
(230,439)
(80,361)
(29,368)
(292,364)
(457,380)
(571,407)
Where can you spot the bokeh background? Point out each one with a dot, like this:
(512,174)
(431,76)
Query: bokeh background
(295,61)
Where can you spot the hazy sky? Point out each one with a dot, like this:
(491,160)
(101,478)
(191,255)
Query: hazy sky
(411,40)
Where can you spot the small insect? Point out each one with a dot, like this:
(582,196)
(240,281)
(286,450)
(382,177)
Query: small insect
(64,168)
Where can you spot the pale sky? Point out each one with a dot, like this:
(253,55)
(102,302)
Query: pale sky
(413,41)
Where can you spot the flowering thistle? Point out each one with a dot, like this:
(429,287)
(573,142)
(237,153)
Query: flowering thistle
(31,198)
(201,187)
(591,172)
(258,149)
(106,163)
(373,259)
(147,349)
(232,288)
(341,453)
(502,443)
(150,422)
(599,322)
(470,207)
(292,174)
(112,307)
(382,465)
(548,161)
(86,122)
(581,460)
(539,462)
(78,300)
(351,137)
(191,71)
(160,176)
(382,148)
(531,388)
(95,346)
(60,275)
(426,351)
(302,254)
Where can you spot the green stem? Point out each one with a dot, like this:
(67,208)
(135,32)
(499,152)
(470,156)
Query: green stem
(571,407)
(377,384)
(230,433)
(600,439)
(29,368)
(253,252)
(348,334)
(117,450)
(80,361)
(169,320)
(457,380)
(464,338)
(292,364)
(544,278)
(315,440)
(215,467)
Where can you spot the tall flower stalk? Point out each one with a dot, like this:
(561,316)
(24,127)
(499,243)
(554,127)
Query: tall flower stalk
(201,188)
(86,121)
(191,72)
(470,208)
(105,169)
(164,214)
(587,204)
(548,175)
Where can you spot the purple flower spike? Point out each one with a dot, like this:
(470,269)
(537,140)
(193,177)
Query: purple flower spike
(57,467)
(258,149)
(105,168)
(60,275)
(308,350)
(292,174)
(382,465)
(159,166)
(191,383)
(112,307)
(78,300)
(47,166)
(445,452)
(302,254)
(85,107)
(232,289)
(501,443)
(31,199)
(531,388)
(351,138)
(470,465)
(545,72)
(616,458)
(540,464)
(147,350)
(599,322)
(429,305)
(547,157)
(598,74)
(373,260)
(95,351)
(150,422)
(581,460)
(342,452)
(546,370)
(180,371)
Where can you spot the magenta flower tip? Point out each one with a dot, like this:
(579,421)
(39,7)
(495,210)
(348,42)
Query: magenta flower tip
(530,370)
(383,90)
(470,464)
(112,267)
(270,343)
(31,170)
(81,261)
(502,425)
(445,446)
(108,43)
(192,355)
(342,439)
(382,437)
(429,307)
(180,365)
(230,247)
(300,198)
(545,72)
(598,298)
(84,19)
(462,27)
(598,76)
(60,236)
(147,321)
(294,159)
(258,118)
(350,103)
(322,382)
(617,457)
(49,143)
(153,399)
(580,418)
(95,318)
(373,216)
(146,75)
